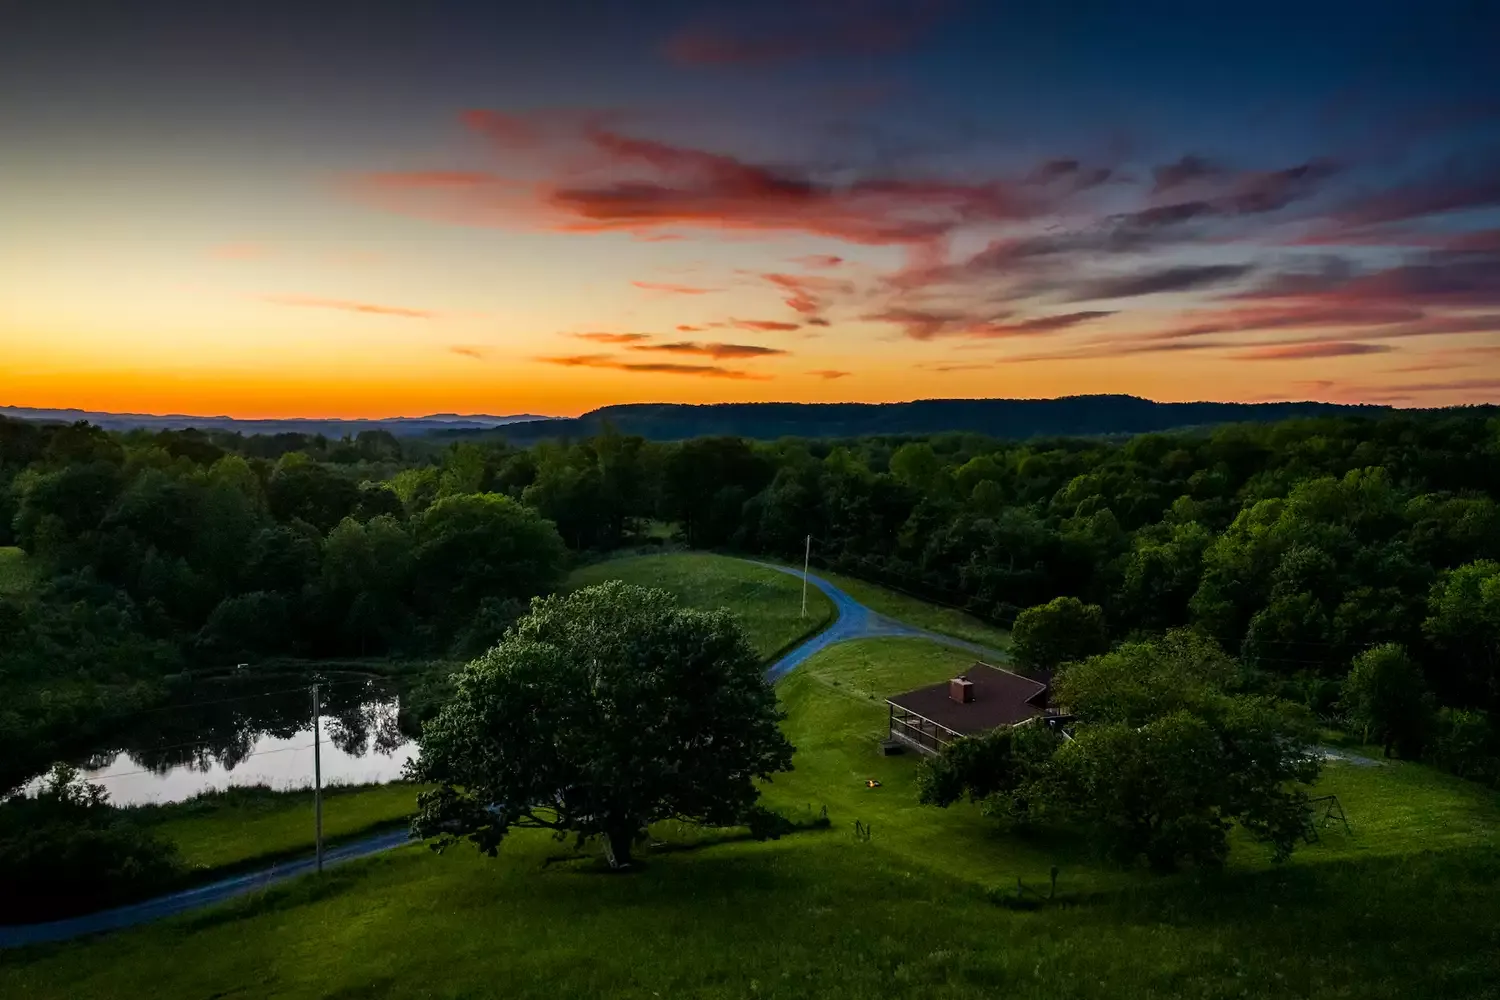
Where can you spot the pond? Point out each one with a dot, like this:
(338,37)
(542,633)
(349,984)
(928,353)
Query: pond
(255,732)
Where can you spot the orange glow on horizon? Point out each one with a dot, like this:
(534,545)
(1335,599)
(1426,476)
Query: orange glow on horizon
(466,386)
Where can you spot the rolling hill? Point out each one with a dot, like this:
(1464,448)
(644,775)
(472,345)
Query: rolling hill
(1009,418)
(1006,418)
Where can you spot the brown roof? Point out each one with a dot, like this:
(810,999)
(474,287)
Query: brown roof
(1001,698)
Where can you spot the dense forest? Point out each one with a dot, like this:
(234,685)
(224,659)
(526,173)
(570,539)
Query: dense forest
(1298,546)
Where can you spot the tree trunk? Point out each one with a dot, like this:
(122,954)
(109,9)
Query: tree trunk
(617,848)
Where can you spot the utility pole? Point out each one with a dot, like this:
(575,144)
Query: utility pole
(806,556)
(317,779)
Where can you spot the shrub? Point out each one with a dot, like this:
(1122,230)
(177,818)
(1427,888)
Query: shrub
(1466,742)
(67,851)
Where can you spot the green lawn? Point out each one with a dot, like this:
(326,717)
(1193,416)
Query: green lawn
(837,716)
(914,611)
(243,826)
(768,603)
(15,574)
(1402,908)
(817,915)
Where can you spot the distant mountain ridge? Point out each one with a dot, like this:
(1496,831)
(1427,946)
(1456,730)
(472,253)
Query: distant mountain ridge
(1006,418)
(328,426)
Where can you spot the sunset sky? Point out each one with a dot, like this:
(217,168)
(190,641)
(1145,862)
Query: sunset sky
(377,209)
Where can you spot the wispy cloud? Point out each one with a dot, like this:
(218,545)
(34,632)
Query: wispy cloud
(600,337)
(595,178)
(967,366)
(344,305)
(661,368)
(1327,349)
(806,293)
(926,324)
(822,261)
(1180,278)
(673,289)
(1185,170)
(1464,384)
(764,325)
(830,373)
(1038,324)
(1463,182)
(713,350)
(477,353)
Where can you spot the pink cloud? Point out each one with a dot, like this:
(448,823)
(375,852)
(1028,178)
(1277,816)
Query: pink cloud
(1326,349)
(806,293)
(764,325)
(589,177)
(925,324)
(713,350)
(661,368)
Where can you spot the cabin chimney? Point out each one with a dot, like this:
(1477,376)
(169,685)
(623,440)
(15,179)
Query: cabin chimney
(961,690)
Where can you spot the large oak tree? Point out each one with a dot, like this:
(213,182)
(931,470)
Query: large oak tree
(601,712)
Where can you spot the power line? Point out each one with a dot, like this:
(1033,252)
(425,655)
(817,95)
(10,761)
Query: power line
(152,770)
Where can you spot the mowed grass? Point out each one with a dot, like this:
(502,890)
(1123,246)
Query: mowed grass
(223,831)
(768,602)
(817,915)
(1402,908)
(837,716)
(15,572)
(915,611)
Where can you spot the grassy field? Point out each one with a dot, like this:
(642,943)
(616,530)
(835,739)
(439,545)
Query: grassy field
(914,611)
(15,574)
(1403,907)
(240,826)
(836,716)
(769,603)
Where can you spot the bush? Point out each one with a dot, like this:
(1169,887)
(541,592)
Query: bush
(67,851)
(1466,742)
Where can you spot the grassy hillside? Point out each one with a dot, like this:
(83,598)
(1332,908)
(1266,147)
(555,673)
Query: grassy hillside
(915,611)
(768,603)
(15,574)
(1401,908)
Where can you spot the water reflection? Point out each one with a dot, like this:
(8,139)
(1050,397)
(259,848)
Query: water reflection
(248,731)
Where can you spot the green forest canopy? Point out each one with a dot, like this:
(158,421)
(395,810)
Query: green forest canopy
(1296,545)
